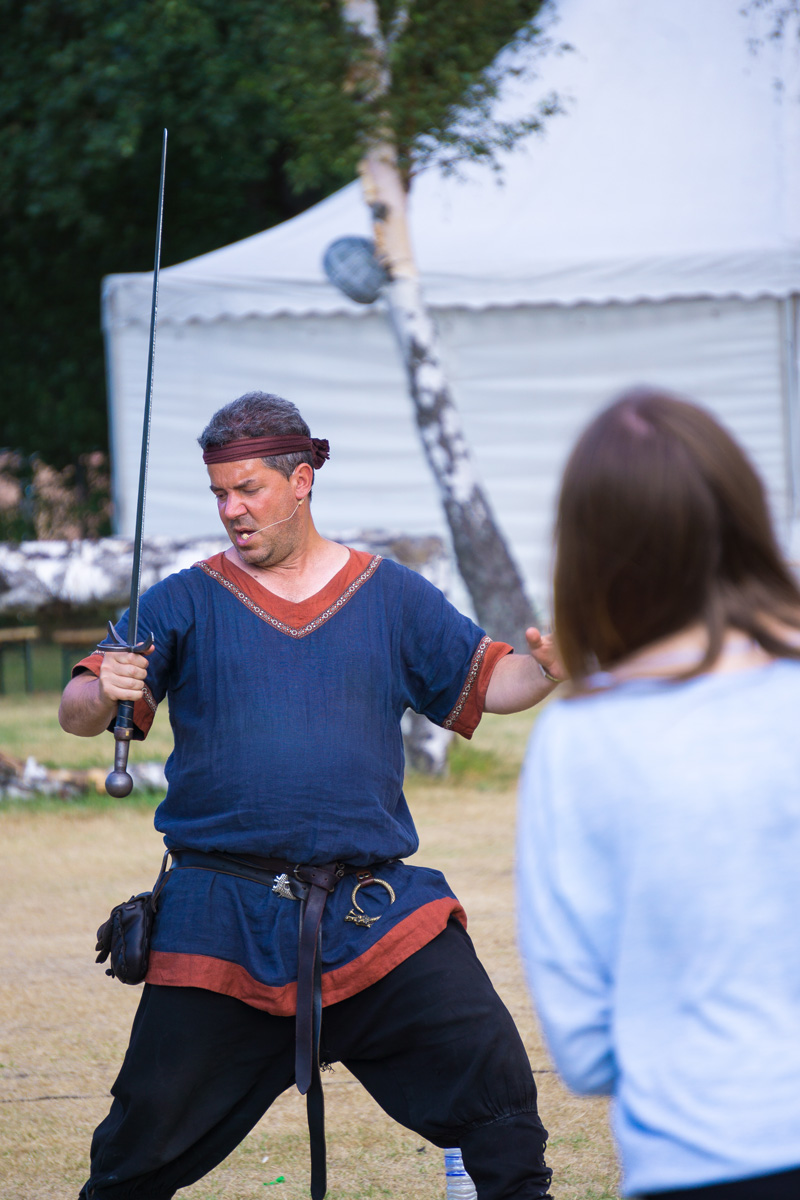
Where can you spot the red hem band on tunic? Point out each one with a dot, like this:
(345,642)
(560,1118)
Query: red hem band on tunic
(216,975)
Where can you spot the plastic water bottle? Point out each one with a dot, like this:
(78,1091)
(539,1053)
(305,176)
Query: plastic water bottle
(459,1184)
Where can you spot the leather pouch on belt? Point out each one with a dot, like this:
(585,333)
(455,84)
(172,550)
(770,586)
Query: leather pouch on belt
(124,939)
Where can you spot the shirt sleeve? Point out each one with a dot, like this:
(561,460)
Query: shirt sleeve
(144,710)
(447,659)
(566,915)
(161,612)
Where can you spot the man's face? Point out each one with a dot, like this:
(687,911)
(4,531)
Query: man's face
(249,497)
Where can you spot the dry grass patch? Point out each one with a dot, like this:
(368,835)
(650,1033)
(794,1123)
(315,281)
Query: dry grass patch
(65,1025)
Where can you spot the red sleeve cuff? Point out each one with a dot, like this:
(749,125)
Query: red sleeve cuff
(144,710)
(468,709)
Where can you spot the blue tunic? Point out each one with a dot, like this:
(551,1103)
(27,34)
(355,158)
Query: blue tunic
(286,719)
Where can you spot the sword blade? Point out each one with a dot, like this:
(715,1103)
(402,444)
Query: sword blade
(136,573)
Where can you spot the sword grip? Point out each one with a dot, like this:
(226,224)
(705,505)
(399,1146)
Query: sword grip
(119,782)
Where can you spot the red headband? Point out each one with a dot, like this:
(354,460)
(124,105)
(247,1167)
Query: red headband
(266,447)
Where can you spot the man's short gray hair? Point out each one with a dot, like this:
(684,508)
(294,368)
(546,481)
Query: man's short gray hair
(259,414)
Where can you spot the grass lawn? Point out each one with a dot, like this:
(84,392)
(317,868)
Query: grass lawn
(29,725)
(51,668)
(65,1024)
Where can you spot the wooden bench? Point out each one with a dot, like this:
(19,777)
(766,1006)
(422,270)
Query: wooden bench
(23,637)
(72,640)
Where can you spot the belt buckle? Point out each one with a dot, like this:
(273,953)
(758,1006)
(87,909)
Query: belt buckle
(281,886)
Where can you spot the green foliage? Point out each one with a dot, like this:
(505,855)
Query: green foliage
(440,58)
(87,86)
(266,115)
(444,80)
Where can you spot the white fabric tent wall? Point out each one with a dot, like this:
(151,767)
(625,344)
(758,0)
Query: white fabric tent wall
(653,235)
(556,364)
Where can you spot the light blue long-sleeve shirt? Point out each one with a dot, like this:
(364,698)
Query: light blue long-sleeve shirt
(659,911)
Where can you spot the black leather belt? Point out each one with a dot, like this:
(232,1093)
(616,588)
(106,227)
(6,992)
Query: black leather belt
(311,885)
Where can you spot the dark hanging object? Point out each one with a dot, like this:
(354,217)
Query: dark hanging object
(352,267)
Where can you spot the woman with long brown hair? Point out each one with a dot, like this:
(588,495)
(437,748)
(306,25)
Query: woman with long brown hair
(659,838)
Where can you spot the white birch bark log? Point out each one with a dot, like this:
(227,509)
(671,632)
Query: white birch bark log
(484,560)
(39,576)
(36,576)
(24,779)
(45,577)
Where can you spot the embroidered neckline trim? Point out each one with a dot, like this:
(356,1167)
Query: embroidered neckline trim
(282,626)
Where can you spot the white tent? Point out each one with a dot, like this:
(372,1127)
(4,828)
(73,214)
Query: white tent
(652,235)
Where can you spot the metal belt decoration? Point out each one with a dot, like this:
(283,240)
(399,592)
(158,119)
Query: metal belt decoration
(311,885)
(119,782)
(357,914)
(283,887)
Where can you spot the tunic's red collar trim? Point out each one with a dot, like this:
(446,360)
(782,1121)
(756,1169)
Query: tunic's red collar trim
(295,620)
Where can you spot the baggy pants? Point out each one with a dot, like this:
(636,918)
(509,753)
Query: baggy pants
(432,1043)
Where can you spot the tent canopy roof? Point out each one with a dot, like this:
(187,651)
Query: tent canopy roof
(673,173)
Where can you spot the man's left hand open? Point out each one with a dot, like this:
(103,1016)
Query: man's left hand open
(543,648)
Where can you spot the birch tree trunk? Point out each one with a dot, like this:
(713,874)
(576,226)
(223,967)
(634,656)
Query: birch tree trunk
(482,554)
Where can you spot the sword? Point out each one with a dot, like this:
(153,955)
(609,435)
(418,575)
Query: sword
(119,782)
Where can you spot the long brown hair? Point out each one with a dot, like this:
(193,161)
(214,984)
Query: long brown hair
(663,523)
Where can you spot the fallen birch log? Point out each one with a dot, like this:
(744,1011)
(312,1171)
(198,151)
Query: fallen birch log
(37,576)
(24,778)
(75,574)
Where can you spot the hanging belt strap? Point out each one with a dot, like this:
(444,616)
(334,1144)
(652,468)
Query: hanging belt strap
(321,882)
(311,885)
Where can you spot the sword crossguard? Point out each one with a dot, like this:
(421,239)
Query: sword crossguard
(112,641)
(119,783)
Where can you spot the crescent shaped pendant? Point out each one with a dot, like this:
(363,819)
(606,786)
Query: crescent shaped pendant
(357,914)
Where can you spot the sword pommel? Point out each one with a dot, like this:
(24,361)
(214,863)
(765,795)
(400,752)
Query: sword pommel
(119,783)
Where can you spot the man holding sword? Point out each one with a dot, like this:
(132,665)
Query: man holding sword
(288,662)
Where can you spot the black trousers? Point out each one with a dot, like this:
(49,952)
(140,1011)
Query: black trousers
(784,1185)
(432,1042)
